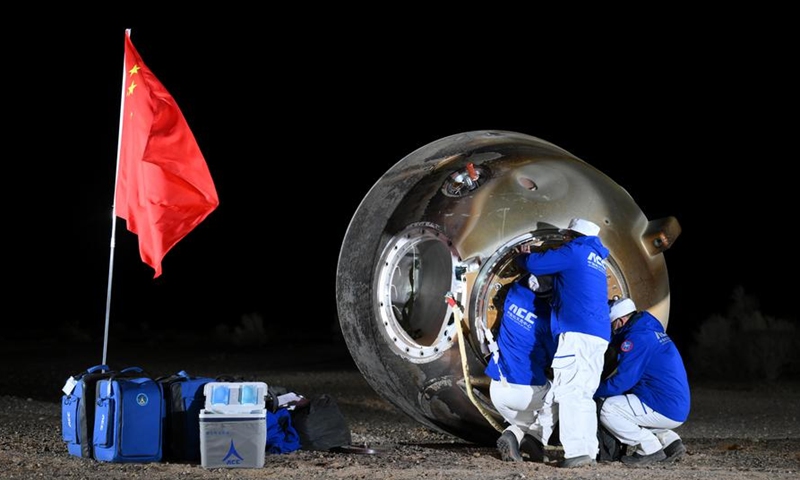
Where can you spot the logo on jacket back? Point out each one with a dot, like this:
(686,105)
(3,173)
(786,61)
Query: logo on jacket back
(596,262)
(233,457)
(523,313)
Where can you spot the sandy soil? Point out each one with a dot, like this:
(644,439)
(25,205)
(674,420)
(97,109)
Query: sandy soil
(734,431)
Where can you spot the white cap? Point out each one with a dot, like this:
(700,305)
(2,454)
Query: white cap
(621,307)
(584,227)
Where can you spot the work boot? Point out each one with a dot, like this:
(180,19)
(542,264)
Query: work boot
(574,462)
(532,447)
(638,460)
(508,447)
(674,451)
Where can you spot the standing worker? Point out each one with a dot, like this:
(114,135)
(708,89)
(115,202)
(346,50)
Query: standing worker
(525,348)
(580,322)
(647,396)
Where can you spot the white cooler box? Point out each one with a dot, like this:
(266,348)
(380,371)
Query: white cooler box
(233,426)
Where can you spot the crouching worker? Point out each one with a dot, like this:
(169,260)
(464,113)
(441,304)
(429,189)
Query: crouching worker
(647,396)
(518,367)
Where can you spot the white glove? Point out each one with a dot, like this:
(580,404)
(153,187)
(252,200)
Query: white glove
(533,282)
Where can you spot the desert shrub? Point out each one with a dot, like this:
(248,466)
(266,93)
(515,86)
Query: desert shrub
(745,344)
(74,332)
(249,333)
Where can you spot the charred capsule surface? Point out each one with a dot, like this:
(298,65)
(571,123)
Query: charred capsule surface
(443,223)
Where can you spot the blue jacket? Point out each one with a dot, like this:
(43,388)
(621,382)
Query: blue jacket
(524,339)
(580,301)
(649,366)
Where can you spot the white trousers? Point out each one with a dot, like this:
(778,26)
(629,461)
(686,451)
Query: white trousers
(634,423)
(519,405)
(577,366)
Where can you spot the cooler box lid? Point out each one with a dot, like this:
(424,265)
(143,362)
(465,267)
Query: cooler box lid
(234,397)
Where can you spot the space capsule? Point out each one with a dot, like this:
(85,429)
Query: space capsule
(430,247)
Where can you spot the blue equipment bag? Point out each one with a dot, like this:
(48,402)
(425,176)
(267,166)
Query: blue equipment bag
(183,396)
(128,418)
(77,410)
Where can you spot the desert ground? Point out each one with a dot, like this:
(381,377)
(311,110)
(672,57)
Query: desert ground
(735,431)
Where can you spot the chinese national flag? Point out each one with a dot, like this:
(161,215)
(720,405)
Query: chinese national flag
(164,188)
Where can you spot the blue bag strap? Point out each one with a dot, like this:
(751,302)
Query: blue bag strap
(182,375)
(94,369)
(126,372)
(132,369)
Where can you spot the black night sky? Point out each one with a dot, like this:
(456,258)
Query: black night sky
(297,124)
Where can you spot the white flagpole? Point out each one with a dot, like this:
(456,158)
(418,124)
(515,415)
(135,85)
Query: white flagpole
(114,204)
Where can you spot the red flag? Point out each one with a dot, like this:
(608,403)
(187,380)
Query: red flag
(164,188)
